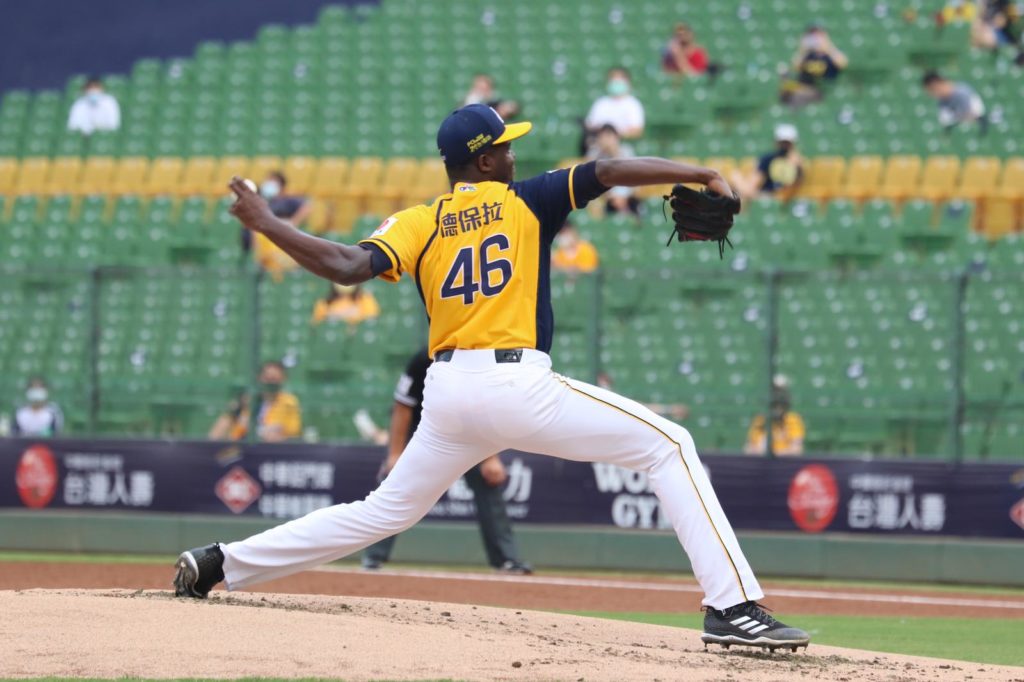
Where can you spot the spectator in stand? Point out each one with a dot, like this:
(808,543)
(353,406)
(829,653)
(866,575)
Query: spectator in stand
(816,62)
(573,254)
(778,172)
(787,427)
(95,110)
(278,415)
(290,207)
(482,91)
(683,54)
(609,145)
(39,417)
(618,108)
(343,303)
(958,102)
(999,23)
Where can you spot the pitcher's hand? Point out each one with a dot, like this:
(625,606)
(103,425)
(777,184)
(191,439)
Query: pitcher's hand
(250,208)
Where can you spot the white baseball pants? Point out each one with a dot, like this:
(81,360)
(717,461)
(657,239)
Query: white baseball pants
(474,407)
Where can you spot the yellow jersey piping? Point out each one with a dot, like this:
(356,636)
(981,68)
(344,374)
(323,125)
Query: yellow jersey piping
(572,193)
(685,466)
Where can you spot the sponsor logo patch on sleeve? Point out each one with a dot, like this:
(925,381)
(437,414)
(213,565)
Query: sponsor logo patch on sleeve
(384,227)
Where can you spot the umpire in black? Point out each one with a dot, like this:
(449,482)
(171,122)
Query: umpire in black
(485,479)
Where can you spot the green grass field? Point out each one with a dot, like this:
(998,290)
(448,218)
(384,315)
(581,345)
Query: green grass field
(981,640)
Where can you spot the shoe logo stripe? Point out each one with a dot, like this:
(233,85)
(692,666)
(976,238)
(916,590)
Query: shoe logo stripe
(741,619)
(758,629)
(751,624)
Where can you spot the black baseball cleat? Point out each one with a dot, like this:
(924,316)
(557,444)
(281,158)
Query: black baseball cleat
(748,624)
(199,570)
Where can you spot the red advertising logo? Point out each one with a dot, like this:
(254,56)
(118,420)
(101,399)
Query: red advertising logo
(1017,512)
(36,477)
(237,489)
(813,498)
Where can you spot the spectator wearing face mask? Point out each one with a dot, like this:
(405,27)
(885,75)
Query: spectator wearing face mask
(779,172)
(95,110)
(39,417)
(293,208)
(573,254)
(618,108)
(787,427)
(343,303)
(278,414)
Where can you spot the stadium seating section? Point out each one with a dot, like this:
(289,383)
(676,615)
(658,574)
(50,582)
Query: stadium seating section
(124,284)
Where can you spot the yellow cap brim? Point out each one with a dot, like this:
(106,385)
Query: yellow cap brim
(514,131)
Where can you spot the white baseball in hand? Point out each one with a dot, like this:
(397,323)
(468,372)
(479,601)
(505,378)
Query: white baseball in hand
(249,184)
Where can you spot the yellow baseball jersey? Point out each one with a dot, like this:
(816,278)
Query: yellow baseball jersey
(481,257)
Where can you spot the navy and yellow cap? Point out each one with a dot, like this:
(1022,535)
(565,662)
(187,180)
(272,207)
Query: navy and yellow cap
(473,129)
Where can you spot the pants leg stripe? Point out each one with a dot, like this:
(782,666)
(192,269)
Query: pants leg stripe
(689,475)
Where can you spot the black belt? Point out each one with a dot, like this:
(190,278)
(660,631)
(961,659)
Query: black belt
(504,355)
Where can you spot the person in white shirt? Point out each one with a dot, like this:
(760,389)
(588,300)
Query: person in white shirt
(40,418)
(94,110)
(619,108)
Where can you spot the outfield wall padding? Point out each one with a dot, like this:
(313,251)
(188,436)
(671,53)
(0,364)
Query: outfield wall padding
(826,556)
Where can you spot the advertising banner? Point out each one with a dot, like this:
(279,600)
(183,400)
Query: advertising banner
(282,481)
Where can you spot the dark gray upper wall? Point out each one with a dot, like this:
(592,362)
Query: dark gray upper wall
(44,42)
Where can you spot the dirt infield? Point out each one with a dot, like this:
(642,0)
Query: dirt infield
(121,633)
(553,592)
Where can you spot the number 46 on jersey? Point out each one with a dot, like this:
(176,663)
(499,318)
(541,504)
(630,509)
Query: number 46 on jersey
(494,270)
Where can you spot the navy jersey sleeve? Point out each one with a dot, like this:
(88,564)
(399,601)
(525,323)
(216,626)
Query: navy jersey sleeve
(409,390)
(554,194)
(379,261)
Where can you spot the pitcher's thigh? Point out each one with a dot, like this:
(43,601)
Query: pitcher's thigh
(588,423)
(428,466)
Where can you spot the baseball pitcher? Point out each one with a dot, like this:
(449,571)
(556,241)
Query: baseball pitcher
(480,257)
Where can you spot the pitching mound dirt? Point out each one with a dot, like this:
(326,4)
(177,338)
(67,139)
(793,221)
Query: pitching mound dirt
(119,633)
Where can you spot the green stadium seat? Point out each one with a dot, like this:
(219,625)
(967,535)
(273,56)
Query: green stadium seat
(867,345)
